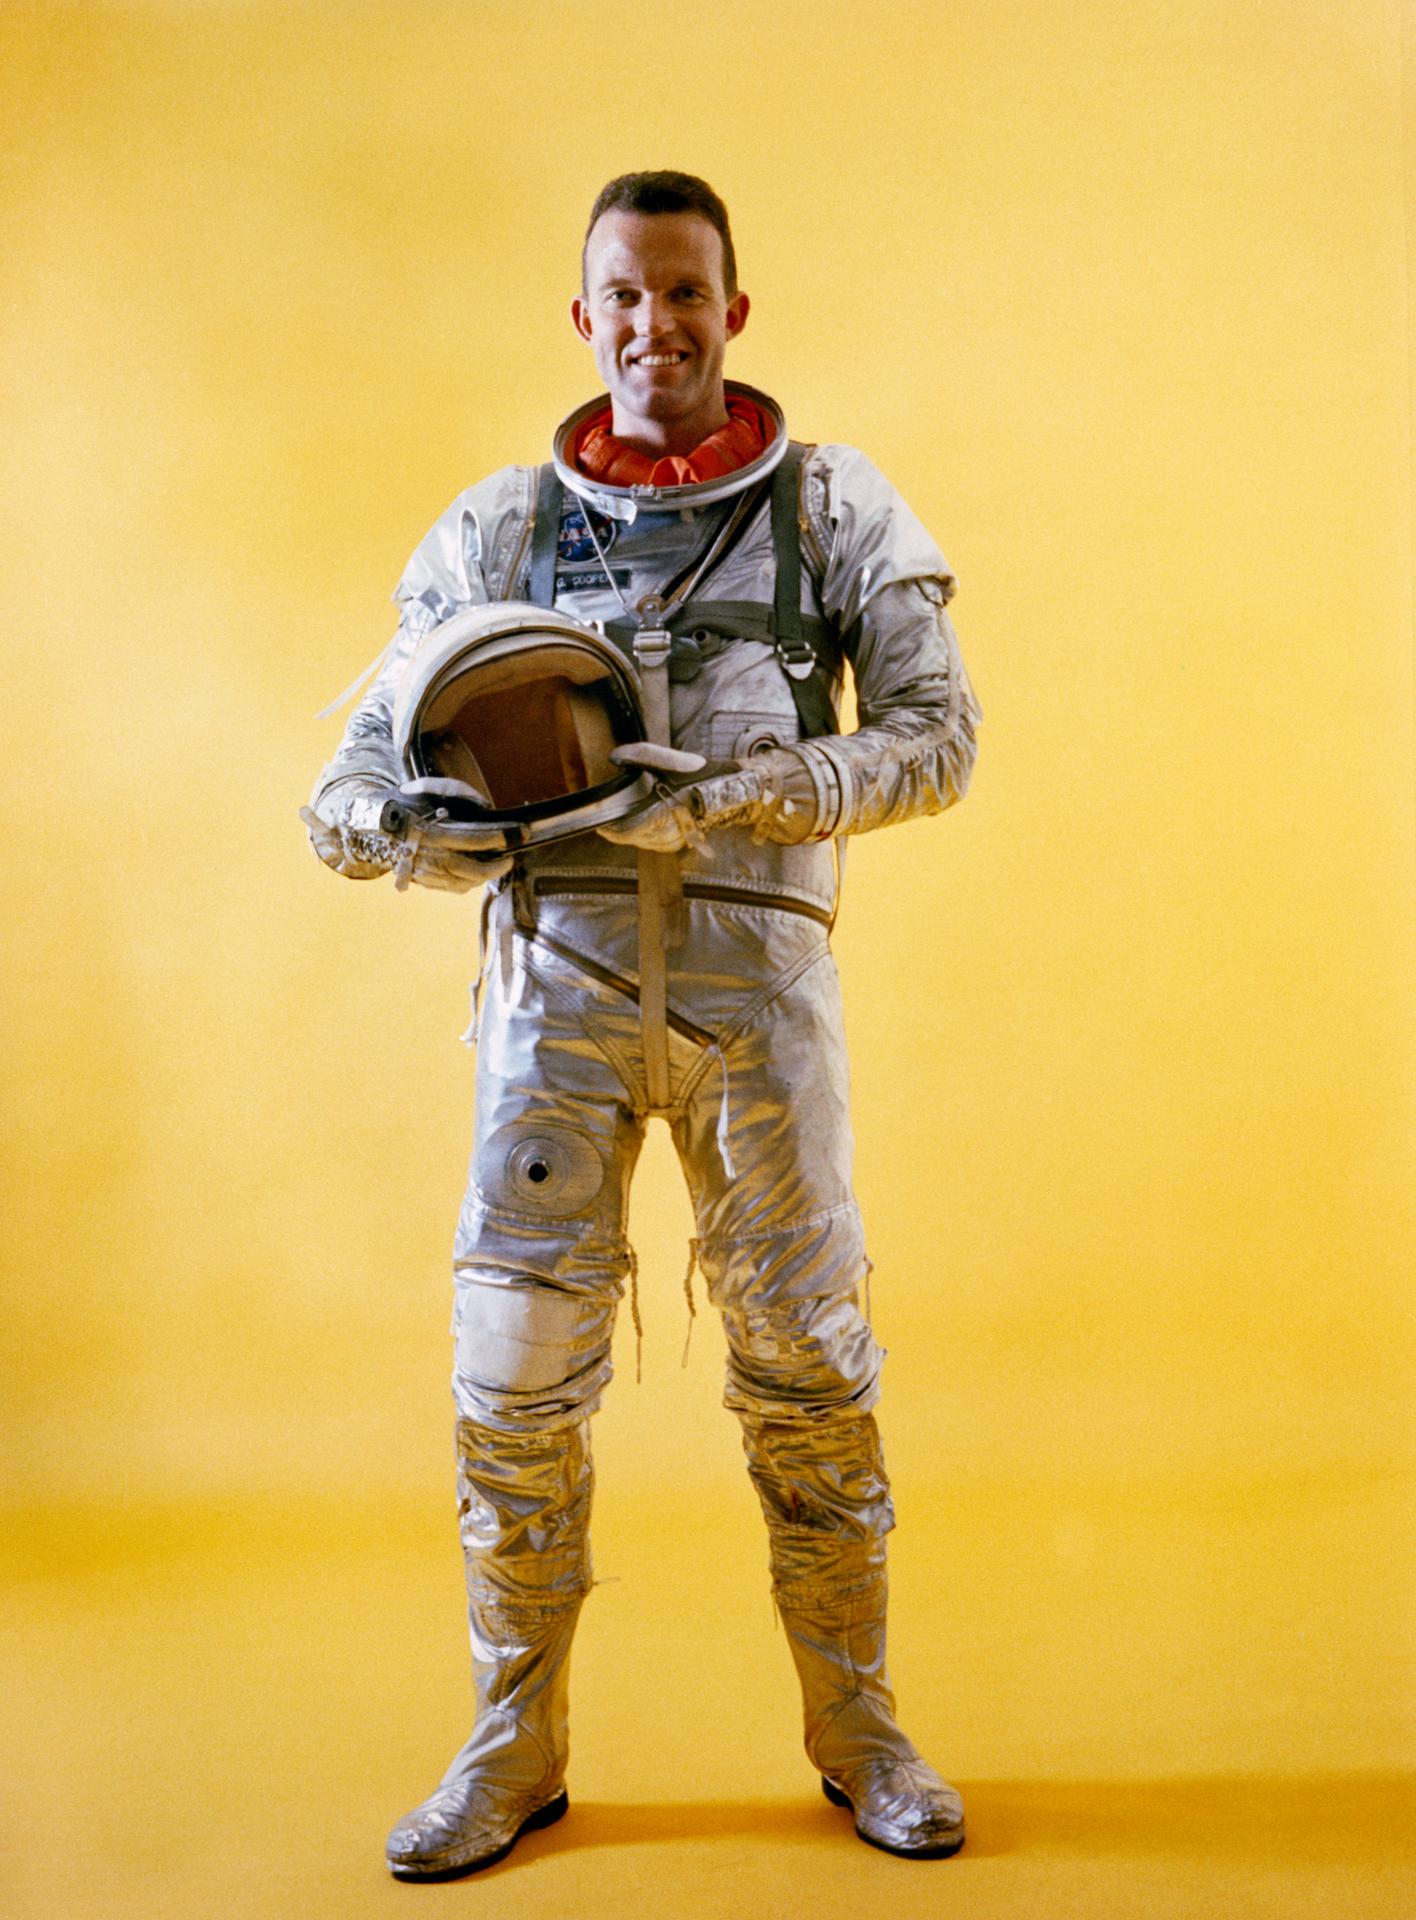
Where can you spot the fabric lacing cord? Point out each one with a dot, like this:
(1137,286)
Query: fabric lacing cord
(600,556)
(634,1316)
(357,682)
(484,961)
(505,934)
(688,1295)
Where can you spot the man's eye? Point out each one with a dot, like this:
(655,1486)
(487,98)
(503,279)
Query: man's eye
(619,296)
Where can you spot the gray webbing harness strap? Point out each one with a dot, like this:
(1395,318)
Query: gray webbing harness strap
(784,624)
(796,653)
(545,538)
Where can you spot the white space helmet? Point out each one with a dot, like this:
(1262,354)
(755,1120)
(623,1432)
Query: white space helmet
(506,718)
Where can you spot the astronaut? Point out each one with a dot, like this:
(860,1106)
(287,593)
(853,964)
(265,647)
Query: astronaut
(662,954)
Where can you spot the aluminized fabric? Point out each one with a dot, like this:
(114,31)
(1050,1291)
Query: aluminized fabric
(758,1101)
(826,1500)
(760,1117)
(871,572)
(524,1502)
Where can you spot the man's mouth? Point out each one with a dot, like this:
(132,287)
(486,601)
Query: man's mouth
(658,359)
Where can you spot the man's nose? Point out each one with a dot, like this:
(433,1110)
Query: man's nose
(652,316)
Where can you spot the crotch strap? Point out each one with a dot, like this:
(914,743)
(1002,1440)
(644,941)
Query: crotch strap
(661,911)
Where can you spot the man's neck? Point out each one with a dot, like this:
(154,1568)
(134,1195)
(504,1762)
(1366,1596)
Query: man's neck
(656,438)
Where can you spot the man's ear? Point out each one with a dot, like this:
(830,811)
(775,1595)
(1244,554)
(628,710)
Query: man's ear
(580,317)
(735,317)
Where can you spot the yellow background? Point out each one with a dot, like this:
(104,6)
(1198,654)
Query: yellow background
(1115,293)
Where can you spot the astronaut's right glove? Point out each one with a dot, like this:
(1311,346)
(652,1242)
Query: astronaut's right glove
(773,793)
(344,831)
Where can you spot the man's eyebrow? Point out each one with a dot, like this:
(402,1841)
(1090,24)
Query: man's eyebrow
(612,281)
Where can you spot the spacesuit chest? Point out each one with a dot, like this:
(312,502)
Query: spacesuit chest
(728,695)
(753,664)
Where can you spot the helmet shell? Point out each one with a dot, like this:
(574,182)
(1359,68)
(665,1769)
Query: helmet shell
(513,711)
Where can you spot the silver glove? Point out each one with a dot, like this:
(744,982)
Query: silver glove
(344,831)
(773,793)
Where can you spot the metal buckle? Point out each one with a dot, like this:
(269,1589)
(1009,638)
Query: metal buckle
(653,641)
(800,662)
(652,646)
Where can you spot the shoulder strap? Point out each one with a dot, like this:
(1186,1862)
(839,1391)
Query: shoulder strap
(545,538)
(796,653)
(786,540)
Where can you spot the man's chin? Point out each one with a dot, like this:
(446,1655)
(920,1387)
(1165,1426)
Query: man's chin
(652,410)
(664,406)
(658,399)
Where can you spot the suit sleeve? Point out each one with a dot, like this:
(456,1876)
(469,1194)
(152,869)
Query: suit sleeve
(887,586)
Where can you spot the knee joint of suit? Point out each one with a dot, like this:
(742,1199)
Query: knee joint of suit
(812,1358)
(527,1353)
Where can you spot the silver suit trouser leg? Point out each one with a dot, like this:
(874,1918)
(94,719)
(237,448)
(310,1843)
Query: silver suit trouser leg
(759,1109)
(826,1500)
(524,1503)
(539,1265)
(540,1258)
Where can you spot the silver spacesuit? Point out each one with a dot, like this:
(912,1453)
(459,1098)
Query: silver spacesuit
(756,1096)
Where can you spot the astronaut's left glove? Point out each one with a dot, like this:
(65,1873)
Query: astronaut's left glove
(344,831)
(772,793)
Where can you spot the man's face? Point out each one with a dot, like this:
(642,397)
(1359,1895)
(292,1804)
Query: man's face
(658,318)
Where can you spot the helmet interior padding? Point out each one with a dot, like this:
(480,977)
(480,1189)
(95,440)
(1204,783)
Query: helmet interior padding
(536,728)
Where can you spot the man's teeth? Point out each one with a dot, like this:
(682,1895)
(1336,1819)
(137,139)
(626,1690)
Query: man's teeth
(659,359)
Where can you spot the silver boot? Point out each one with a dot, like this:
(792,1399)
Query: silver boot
(827,1503)
(524,1501)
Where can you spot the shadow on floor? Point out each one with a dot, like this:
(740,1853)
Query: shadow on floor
(1365,1817)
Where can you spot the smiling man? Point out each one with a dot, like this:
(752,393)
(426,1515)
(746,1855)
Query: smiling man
(684,579)
(660,304)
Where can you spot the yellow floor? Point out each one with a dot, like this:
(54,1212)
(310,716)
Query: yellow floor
(220,1713)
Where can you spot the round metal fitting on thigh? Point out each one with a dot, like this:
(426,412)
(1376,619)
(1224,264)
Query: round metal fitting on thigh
(548,1170)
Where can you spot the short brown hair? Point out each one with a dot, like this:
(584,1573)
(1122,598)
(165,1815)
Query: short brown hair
(665,192)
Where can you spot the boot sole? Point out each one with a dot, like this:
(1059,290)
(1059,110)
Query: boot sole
(941,1850)
(546,1816)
